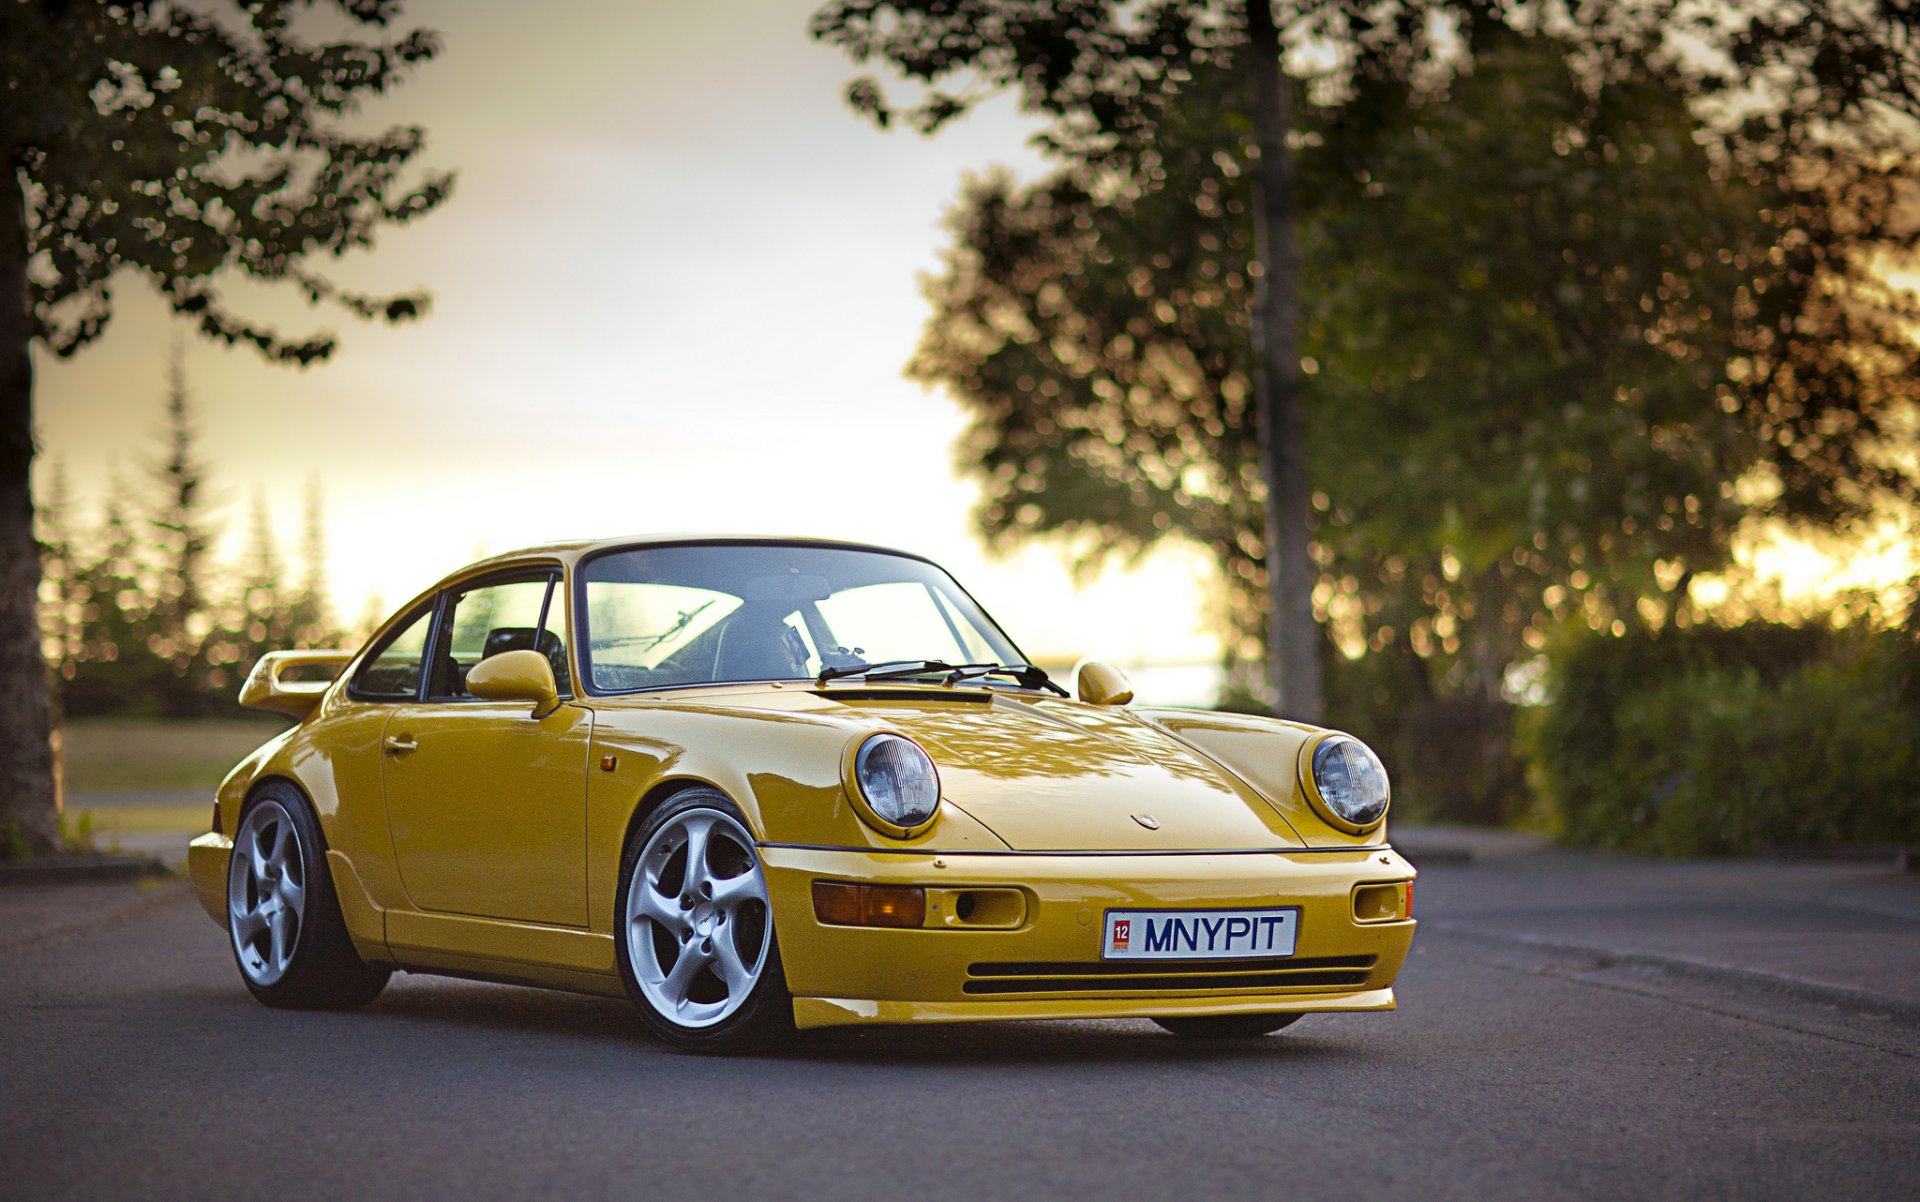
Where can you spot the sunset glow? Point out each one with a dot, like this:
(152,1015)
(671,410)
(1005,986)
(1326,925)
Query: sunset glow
(674,291)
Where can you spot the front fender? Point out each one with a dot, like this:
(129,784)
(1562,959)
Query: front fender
(1265,753)
(783,770)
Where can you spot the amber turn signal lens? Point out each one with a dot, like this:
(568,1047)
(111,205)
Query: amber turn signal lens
(836,903)
(893,906)
(848,905)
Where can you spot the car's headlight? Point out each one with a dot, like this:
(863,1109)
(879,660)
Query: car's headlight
(897,781)
(1349,782)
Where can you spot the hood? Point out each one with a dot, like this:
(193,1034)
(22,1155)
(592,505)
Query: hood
(1056,775)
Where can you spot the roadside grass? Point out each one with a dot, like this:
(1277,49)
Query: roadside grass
(106,823)
(113,755)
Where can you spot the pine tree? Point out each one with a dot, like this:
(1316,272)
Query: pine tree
(312,618)
(183,540)
(265,619)
(114,667)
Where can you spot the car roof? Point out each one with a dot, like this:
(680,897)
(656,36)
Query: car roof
(571,551)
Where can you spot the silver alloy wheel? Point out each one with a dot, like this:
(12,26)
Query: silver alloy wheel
(698,923)
(266,892)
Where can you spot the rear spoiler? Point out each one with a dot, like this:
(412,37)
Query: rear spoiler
(266,690)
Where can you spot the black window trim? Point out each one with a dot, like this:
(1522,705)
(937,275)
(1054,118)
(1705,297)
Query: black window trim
(554,574)
(584,659)
(431,611)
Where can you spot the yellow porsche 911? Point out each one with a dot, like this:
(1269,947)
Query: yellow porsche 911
(759,784)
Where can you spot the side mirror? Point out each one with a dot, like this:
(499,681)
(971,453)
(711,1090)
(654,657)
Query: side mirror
(1103,684)
(516,676)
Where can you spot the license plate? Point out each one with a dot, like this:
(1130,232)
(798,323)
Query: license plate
(1199,934)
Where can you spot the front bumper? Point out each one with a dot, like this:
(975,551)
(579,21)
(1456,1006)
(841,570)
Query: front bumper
(1049,965)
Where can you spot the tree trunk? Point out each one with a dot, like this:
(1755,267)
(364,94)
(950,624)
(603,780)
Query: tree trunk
(28,810)
(1293,638)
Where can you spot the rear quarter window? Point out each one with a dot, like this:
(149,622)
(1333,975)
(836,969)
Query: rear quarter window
(392,672)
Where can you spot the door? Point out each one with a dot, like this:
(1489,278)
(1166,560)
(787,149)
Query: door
(487,804)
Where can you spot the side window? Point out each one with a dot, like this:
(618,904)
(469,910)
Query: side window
(393,672)
(494,618)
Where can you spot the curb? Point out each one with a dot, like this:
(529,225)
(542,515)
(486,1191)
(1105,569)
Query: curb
(1815,991)
(1903,859)
(85,867)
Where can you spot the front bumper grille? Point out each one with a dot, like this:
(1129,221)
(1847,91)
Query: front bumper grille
(1288,974)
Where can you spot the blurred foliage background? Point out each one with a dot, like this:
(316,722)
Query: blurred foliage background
(1591,293)
(138,617)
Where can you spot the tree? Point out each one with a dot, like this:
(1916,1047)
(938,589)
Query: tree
(1535,295)
(114,666)
(190,148)
(1095,324)
(183,536)
(263,619)
(1106,75)
(115,621)
(311,620)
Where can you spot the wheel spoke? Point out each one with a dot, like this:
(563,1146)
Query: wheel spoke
(697,871)
(247,926)
(282,836)
(732,970)
(257,862)
(292,894)
(685,969)
(729,892)
(650,903)
(283,932)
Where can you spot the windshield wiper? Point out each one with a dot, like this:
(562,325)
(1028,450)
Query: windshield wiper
(1029,676)
(891,669)
(1026,675)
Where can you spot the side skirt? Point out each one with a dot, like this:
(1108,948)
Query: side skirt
(495,946)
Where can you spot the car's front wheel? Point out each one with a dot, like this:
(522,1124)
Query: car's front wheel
(695,936)
(283,919)
(1227,1026)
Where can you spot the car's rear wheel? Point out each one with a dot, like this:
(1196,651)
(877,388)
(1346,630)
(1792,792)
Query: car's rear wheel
(1227,1026)
(695,935)
(283,919)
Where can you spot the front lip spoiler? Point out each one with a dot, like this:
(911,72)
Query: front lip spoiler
(1172,851)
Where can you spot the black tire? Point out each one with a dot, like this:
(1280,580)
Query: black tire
(1227,1026)
(763,1017)
(320,970)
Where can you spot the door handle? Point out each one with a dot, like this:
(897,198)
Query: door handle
(400,744)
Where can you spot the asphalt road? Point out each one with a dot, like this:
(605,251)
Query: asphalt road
(133,1064)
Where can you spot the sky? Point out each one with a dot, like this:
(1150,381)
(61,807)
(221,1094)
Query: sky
(674,290)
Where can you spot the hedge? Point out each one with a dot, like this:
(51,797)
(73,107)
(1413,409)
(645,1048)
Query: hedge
(1739,740)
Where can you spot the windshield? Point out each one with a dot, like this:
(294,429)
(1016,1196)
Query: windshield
(660,617)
